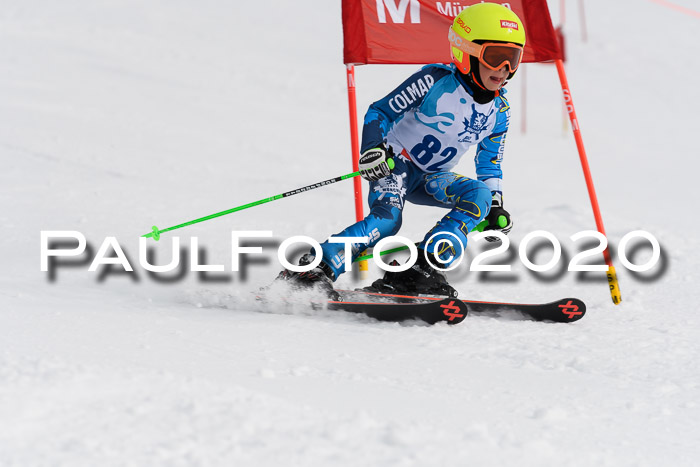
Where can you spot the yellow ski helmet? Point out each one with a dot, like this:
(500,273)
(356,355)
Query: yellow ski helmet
(490,32)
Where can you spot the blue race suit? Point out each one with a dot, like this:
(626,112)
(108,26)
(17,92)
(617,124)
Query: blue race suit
(430,121)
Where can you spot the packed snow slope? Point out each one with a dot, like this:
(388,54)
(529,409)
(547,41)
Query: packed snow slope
(118,115)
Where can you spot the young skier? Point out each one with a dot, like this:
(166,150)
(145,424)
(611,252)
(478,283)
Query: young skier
(422,129)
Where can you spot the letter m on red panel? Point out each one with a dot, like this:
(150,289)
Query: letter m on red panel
(397,12)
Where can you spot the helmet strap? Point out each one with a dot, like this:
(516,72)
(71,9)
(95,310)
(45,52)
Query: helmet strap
(476,76)
(477,90)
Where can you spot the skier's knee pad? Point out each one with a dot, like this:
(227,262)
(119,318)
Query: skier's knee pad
(472,202)
(448,239)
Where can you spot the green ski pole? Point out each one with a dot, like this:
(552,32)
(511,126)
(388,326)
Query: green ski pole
(155,233)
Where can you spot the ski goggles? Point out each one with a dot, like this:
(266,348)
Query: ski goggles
(493,55)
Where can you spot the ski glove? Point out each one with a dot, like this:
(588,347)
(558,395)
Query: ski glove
(376,163)
(498,219)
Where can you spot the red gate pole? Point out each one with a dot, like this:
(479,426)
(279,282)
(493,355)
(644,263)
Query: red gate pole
(523,81)
(612,276)
(562,13)
(355,145)
(582,15)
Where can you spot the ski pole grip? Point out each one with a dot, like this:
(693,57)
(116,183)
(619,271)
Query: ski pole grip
(391,164)
(502,222)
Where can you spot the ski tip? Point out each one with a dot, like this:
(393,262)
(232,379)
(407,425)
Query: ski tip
(571,309)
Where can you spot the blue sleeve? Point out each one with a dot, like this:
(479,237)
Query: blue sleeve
(489,154)
(382,115)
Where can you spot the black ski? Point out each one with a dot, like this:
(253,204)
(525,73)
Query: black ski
(566,310)
(450,310)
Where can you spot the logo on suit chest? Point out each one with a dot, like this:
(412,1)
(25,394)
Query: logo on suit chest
(473,126)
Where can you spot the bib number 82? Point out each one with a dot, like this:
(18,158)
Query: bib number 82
(428,149)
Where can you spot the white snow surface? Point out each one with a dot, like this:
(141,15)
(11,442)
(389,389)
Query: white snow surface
(120,114)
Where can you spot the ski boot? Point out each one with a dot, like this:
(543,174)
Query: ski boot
(320,277)
(420,279)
